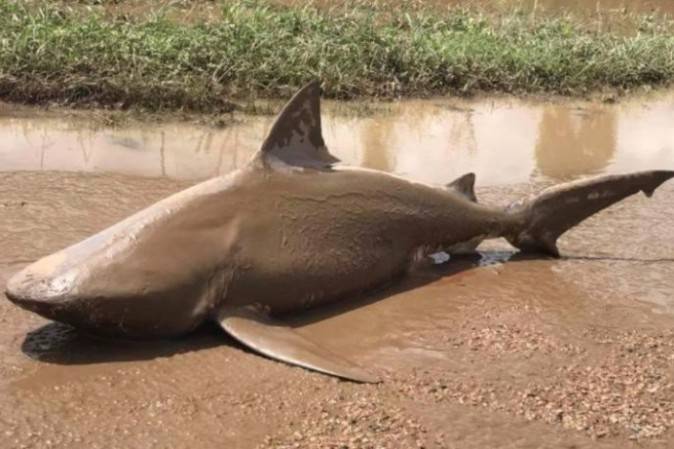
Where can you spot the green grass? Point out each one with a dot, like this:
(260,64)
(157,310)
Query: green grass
(50,53)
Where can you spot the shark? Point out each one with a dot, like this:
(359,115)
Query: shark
(291,230)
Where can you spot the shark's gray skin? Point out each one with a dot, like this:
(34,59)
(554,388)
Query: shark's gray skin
(286,232)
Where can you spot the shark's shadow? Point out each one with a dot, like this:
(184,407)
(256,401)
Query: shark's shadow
(62,344)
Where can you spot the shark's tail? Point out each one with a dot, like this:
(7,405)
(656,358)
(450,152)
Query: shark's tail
(544,218)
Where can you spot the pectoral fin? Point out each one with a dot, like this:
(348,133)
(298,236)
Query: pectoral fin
(263,334)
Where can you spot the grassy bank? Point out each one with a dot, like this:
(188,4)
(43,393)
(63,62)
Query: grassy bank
(51,53)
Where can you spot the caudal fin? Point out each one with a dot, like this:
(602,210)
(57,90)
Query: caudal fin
(557,209)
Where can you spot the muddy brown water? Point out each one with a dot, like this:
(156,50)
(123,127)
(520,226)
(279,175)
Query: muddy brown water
(504,141)
(493,351)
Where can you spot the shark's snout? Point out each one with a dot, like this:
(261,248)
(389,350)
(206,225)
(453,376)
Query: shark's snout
(39,288)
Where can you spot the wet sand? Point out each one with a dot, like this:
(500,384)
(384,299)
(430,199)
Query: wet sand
(498,351)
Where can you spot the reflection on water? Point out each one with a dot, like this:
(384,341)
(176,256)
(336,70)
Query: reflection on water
(572,142)
(502,140)
(375,144)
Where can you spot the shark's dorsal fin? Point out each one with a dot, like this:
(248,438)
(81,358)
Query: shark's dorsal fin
(296,138)
(464,185)
(258,331)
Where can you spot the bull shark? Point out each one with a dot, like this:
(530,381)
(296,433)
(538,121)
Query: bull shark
(288,231)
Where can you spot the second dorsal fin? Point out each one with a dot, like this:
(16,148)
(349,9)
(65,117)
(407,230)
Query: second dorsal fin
(464,185)
(296,138)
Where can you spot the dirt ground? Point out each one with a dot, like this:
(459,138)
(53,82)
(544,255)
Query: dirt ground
(489,353)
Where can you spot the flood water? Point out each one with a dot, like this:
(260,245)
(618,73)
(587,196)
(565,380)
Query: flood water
(504,141)
(513,352)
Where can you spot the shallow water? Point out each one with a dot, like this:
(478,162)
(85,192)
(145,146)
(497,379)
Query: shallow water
(465,342)
(504,141)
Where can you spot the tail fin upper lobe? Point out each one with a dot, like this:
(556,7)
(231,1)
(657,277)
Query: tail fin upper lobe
(547,216)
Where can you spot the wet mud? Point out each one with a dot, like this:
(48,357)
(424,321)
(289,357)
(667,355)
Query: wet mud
(491,351)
